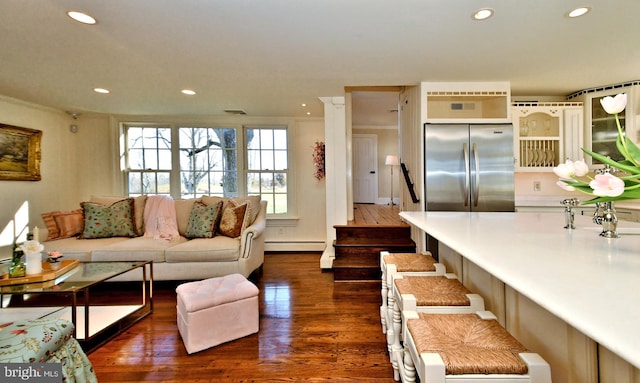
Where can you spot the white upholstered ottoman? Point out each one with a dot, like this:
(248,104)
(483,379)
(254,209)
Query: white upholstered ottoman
(216,310)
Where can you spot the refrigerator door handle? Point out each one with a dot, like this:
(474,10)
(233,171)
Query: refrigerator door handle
(467,178)
(476,186)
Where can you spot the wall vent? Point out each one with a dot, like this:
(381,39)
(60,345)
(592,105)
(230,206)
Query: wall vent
(236,111)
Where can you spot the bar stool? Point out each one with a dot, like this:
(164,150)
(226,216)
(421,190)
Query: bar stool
(473,348)
(440,294)
(407,264)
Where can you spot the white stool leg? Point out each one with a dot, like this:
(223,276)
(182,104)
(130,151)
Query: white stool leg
(383,308)
(389,320)
(408,368)
(396,347)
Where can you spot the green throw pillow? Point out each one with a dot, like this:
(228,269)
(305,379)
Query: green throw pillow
(204,219)
(101,221)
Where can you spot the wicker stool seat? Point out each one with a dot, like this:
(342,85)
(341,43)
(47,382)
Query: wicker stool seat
(404,263)
(440,294)
(445,347)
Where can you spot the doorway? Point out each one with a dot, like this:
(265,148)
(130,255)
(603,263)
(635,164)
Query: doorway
(374,118)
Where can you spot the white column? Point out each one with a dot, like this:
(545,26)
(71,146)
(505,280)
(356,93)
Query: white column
(335,173)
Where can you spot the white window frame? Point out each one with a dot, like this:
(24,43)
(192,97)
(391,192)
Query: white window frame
(241,152)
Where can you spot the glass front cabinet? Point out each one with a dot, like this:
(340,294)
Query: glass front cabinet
(546,133)
(600,128)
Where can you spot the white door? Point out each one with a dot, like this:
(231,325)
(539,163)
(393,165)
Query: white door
(365,168)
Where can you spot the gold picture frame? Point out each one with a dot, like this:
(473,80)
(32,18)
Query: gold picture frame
(20,153)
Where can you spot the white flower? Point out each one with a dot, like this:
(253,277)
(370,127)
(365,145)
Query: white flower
(31,247)
(614,105)
(607,185)
(580,168)
(571,169)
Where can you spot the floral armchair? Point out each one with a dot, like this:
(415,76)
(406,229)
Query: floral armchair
(46,341)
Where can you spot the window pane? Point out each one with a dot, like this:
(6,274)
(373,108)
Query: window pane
(270,204)
(150,159)
(135,184)
(280,139)
(253,139)
(280,203)
(149,185)
(164,138)
(266,139)
(253,160)
(266,182)
(266,159)
(135,159)
(164,159)
(280,182)
(280,160)
(134,138)
(253,183)
(164,183)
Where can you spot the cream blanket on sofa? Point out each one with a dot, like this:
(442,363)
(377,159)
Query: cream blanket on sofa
(160,218)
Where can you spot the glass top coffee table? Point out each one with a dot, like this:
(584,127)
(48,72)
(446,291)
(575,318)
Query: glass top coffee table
(84,296)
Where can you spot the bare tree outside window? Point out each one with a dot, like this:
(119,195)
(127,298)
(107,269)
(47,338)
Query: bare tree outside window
(208,162)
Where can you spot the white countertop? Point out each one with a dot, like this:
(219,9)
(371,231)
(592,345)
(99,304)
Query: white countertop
(590,282)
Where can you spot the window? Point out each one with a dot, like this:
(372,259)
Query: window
(192,161)
(148,160)
(208,162)
(267,166)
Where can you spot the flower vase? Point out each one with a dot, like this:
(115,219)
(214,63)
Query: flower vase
(17,269)
(34,263)
(55,265)
(609,221)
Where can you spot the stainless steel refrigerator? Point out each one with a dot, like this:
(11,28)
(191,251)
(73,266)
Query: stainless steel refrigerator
(469,167)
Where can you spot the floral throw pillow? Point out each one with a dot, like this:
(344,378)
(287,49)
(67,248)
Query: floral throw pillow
(116,220)
(233,219)
(203,220)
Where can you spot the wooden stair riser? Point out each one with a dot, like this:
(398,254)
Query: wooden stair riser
(375,234)
(357,250)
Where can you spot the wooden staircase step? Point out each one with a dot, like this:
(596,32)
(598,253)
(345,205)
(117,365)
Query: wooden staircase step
(382,234)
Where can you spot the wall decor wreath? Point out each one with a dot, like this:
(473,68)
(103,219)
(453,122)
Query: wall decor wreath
(318,159)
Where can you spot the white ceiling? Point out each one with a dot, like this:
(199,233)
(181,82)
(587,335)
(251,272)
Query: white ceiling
(269,56)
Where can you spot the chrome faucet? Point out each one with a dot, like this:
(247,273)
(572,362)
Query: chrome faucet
(569,214)
(598,213)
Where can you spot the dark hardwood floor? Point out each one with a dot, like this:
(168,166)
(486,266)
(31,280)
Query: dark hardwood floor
(311,330)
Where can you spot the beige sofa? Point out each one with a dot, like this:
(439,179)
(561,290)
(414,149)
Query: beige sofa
(179,258)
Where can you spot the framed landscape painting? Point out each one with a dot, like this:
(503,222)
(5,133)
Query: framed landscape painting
(19,153)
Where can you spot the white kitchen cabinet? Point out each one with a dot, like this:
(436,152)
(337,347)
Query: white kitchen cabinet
(546,133)
(600,128)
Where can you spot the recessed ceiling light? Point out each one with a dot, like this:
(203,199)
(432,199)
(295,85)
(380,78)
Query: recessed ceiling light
(578,12)
(81,17)
(188,92)
(308,113)
(482,14)
(303,105)
(101,90)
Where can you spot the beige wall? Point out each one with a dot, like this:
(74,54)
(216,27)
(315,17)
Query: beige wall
(78,165)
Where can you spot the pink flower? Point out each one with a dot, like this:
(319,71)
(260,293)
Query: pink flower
(55,254)
(607,185)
